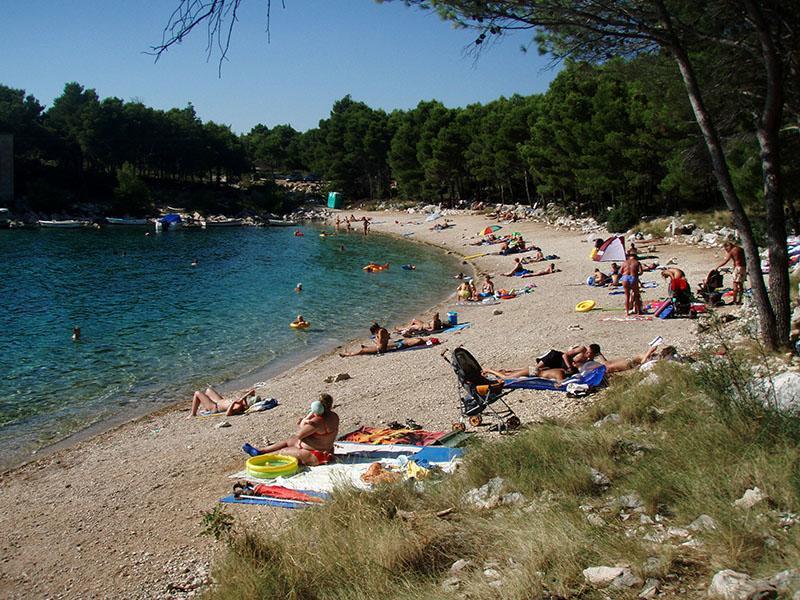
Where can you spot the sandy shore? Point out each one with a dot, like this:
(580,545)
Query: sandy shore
(119,515)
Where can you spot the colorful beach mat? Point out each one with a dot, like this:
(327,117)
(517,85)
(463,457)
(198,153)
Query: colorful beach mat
(385,435)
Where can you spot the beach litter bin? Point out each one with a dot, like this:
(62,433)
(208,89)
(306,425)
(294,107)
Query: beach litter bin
(452,318)
(335,200)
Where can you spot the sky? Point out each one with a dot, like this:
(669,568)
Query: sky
(386,55)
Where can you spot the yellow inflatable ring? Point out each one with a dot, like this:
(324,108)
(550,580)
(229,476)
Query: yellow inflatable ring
(303,325)
(267,466)
(585,306)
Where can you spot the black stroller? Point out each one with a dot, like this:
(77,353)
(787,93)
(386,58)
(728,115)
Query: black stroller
(478,394)
(709,289)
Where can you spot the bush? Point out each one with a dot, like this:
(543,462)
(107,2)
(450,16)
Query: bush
(622,218)
(131,196)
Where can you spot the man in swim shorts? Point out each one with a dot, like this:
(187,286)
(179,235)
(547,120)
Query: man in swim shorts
(312,444)
(631,270)
(382,344)
(736,254)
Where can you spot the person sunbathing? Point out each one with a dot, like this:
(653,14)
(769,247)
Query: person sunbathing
(312,443)
(557,375)
(417,327)
(598,279)
(212,402)
(618,365)
(537,256)
(551,269)
(382,344)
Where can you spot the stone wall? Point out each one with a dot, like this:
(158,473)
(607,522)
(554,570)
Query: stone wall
(6,169)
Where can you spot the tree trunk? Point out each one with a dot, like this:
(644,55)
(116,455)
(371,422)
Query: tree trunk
(768,132)
(527,189)
(722,174)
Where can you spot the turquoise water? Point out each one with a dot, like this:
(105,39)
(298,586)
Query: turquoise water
(154,327)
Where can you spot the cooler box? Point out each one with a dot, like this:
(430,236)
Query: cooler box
(335,200)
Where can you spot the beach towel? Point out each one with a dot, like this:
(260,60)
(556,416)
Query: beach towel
(277,502)
(591,378)
(377,435)
(629,318)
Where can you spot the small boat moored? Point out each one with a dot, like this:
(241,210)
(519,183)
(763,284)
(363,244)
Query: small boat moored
(225,223)
(125,221)
(68,224)
(281,223)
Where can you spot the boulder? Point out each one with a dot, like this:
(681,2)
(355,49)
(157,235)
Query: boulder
(750,498)
(786,582)
(630,501)
(731,585)
(702,523)
(608,420)
(619,577)
(599,479)
(487,496)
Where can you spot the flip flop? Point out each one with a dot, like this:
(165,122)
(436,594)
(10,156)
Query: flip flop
(251,450)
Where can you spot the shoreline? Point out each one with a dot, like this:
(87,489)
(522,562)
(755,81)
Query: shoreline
(256,375)
(140,488)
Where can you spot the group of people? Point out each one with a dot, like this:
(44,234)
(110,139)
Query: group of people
(350,221)
(559,365)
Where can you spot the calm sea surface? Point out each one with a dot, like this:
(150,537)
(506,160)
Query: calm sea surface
(154,327)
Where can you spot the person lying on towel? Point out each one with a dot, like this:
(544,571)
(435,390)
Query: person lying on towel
(382,344)
(312,444)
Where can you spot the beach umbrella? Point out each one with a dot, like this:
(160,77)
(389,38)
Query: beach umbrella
(489,229)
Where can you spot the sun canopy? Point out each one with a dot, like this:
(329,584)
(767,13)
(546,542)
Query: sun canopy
(489,229)
(170,218)
(613,249)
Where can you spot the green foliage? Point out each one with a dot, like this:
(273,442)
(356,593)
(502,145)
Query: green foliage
(217,523)
(131,196)
(621,218)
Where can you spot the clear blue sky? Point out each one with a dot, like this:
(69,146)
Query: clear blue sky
(386,55)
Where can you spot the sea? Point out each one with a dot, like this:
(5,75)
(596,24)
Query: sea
(154,326)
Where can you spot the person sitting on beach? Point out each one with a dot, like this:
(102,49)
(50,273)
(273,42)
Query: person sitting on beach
(488,286)
(312,443)
(517,270)
(537,256)
(213,403)
(382,344)
(615,274)
(464,293)
(598,279)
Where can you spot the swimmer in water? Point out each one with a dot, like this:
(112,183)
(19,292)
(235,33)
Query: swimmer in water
(76,334)
(300,321)
(298,288)
(194,262)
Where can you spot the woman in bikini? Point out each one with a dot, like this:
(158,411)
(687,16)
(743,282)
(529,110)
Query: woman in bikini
(312,444)
(212,402)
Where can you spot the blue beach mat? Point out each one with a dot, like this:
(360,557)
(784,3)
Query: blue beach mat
(278,502)
(593,378)
(453,328)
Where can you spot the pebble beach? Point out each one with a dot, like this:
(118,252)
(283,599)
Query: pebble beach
(118,514)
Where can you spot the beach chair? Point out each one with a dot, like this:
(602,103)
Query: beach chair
(478,395)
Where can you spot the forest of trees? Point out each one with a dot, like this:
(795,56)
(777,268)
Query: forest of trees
(620,136)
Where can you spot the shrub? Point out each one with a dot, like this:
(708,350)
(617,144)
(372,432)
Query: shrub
(621,218)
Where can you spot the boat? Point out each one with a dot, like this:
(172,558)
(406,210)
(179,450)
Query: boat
(125,221)
(281,223)
(225,223)
(68,224)
(168,222)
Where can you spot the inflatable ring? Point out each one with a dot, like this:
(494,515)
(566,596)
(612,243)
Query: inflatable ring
(267,466)
(304,325)
(585,306)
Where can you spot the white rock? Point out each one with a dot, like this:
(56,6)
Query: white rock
(702,523)
(460,565)
(595,520)
(731,585)
(222,424)
(599,478)
(487,496)
(630,501)
(750,498)
(781,391)
(491,574)
(677,532)
(787,581)
(451,583)
(512,498)
(608,419)
(650,589)
(619,577)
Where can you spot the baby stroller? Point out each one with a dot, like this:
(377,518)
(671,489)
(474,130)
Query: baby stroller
(478,395)
(709,289)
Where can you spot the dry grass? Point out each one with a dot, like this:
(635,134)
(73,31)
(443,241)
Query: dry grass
(707,221)
(672,447)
